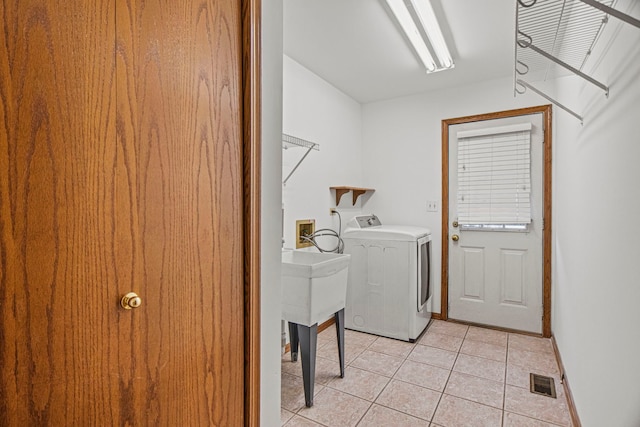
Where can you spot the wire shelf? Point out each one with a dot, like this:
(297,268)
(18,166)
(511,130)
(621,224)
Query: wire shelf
(289,141)
(566,29)
(556,37)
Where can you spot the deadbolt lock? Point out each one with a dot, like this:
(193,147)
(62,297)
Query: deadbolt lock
(130,300)
(455,237)
(455,223)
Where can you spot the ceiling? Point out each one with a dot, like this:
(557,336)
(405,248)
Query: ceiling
(357,46)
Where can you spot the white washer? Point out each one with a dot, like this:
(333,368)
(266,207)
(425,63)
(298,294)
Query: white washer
(389,292)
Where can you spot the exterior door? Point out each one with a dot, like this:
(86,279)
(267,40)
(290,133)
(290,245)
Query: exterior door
(496,270)
(121,171)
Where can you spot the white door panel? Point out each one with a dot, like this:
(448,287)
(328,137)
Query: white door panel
(495,277)
(473,279)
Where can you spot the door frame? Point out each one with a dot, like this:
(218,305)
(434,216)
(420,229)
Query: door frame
(251,146)
(546,210)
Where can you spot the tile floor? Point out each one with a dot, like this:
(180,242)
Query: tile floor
(454,376)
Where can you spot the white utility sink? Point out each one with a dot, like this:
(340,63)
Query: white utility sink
(314,285)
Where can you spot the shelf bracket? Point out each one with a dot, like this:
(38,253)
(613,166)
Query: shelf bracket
(339,193)
(356,192)
(548,98)
(292,141)
(296,166)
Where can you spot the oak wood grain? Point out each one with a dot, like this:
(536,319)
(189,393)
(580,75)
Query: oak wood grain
(180,164)
(548,220)
(121,170)
(444,266)
(57,146)
(251,66)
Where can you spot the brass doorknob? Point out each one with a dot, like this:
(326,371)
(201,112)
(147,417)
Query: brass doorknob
(455,237)
(130,300)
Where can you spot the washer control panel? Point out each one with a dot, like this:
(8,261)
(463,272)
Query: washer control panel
(366,221)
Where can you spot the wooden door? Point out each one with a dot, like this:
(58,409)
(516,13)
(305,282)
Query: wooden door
(121,170)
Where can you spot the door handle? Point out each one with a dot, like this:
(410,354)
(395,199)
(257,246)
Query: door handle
(455,237)
(130,300)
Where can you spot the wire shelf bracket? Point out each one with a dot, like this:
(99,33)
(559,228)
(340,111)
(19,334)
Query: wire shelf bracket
(289,141)
(560,35)
(548,98)
(613,12)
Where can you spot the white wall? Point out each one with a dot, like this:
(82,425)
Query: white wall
(403,157)
(271,202)
(316,111)
(596,275)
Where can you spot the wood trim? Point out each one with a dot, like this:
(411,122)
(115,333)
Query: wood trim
(436,316)
(546,241)
(321,327)
(575,419)
(251,81)
(326,324)
(444,267)
(546,233)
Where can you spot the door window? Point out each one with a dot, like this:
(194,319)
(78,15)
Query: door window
(494,178)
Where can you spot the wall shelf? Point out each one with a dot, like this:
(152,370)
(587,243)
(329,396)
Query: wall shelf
(289,141)
(553,37)
(357,192)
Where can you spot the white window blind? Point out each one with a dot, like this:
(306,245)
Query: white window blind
(494,176)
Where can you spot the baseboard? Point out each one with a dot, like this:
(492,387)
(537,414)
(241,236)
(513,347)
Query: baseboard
(321,327)
(436,316)
(325,325)
(565,385)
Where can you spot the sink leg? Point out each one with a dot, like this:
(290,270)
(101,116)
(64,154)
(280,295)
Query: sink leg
(308,336)
(339,316)
(293,341)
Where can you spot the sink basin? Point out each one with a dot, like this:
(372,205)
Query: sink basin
(314,285)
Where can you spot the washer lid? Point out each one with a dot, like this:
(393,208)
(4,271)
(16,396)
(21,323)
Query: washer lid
(387,232)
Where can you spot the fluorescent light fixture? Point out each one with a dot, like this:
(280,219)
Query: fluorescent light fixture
(428,21)
(405,20)
(430,24)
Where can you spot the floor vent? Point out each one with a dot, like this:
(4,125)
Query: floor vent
(542,385)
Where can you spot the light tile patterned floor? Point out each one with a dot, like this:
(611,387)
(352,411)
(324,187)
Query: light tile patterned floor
(454,376)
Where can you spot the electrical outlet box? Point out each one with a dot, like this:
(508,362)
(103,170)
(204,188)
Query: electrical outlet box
(304,227)
(432,206)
